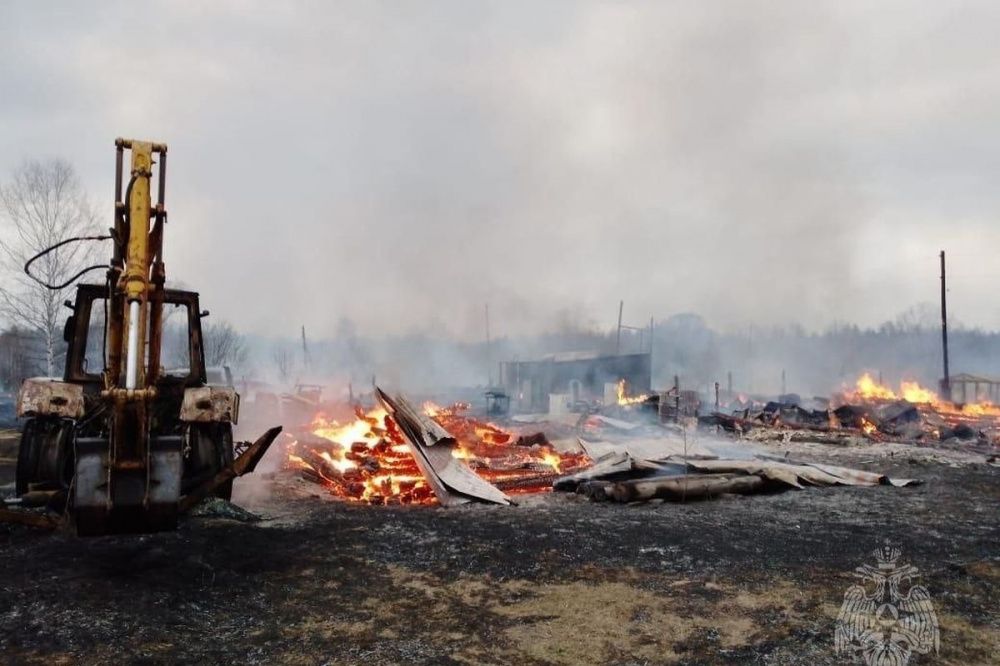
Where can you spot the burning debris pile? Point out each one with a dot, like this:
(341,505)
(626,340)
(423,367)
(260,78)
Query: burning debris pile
(397,454)
(875,411)
(372,460)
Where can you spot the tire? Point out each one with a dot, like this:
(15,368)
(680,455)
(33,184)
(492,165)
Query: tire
(224,444)
(45,454)
(210,449)
(27,457)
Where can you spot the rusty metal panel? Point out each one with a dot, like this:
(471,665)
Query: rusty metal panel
(210,404)
(42,396)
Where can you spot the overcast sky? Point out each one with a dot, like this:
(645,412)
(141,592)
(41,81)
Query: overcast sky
(403,163)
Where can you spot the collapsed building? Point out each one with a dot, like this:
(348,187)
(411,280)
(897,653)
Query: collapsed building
(559,382)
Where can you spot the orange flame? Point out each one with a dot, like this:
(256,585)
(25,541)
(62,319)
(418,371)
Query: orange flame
(624,399)
(367,460)
(868,389)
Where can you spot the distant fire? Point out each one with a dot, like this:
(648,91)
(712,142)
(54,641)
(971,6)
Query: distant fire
(625,399)
(867,389)
(367,460)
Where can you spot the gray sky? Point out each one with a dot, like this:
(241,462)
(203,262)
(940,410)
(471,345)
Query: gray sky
(403,163)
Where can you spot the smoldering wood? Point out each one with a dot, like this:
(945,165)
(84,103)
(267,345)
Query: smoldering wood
(533,439)
(594,490)
(539,480)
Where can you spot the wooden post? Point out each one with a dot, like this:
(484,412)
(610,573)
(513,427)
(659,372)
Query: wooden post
(677,399)
(305,349)
(946,380)
(618,339)
(489,353)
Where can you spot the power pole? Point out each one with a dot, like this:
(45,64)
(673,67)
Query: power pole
(489,351)
(946,380)
(677,399)
(618,340)
(305,349)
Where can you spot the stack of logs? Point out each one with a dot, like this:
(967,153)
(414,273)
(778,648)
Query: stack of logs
(671,488)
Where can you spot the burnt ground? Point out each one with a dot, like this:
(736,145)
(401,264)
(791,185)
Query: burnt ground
(556,580)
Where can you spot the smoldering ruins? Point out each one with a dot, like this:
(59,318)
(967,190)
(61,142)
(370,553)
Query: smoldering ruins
(396,528)
(488,333)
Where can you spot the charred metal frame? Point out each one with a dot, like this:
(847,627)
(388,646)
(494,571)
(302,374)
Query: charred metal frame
(78,329)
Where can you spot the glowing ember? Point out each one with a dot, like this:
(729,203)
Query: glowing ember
(624,399)
(553,460)
(367,460)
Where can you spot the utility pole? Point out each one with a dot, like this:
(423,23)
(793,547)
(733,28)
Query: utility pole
(677,399)
(650,335)
(784,389)
(717,403)
(946,380)
(618,340)
(305,349)
(489,351)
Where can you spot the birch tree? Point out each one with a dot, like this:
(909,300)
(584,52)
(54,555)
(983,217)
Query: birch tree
(224,345)
(42,205)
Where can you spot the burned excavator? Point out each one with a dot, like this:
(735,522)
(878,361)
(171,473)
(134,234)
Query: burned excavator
(132,433)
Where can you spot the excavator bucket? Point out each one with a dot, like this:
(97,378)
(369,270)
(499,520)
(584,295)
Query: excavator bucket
(109,501)
(120,499)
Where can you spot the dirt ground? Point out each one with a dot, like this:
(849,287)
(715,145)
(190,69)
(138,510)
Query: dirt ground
(555,580)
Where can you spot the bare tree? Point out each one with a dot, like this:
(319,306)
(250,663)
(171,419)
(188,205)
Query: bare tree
(44,204)
(283,361)
(224,345)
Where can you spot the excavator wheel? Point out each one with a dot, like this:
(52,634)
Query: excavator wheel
(45,457)
(209,449)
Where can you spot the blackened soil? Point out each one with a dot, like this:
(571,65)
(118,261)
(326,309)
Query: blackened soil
(556,580)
